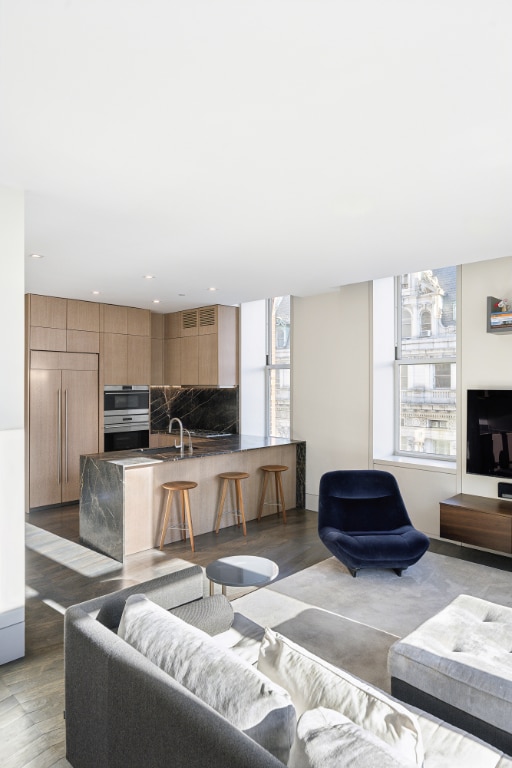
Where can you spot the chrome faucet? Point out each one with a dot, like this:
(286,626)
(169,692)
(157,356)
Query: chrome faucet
(181,444)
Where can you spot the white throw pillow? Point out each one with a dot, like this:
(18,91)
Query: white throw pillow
(326,739)
(228,684)
(313,682)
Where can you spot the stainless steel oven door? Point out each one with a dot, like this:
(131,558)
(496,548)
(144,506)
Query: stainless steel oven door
(126,437)
(121,399)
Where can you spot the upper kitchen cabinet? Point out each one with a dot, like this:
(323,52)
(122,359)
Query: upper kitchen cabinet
(172,325)
(157,349)
(62,325)
(46,322)
(125,345)
(218,346)
(113,318)
(206,354)
(83,326)
(138,321)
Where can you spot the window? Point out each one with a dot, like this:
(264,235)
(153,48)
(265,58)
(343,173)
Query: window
(278,367)
(426,324)
(425,363)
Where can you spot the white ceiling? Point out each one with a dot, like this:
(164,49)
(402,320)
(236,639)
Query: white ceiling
(264,147)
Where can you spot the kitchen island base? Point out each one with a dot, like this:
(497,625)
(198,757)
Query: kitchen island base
(122,504)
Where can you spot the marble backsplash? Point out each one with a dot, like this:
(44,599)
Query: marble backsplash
(203,408)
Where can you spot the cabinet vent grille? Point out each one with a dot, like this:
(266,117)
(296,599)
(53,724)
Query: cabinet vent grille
(206,316)
(189,318)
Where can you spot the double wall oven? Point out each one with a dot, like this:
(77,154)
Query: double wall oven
(126,417)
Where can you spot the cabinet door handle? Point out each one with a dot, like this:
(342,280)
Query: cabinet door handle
(66,432)
(59,435)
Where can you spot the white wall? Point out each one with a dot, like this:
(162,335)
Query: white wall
(331,381)
(12,515)
(486,358)
(342,400)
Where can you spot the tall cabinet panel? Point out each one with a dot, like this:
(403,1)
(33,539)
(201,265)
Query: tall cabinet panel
(79,426)
(45,437)
(63,423)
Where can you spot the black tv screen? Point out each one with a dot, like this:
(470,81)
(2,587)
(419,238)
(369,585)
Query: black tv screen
(489,432)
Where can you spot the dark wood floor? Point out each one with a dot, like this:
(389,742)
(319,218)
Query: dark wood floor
(31,689)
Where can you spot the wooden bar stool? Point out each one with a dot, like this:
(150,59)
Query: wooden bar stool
(276,469)
(239,511)
(183,486)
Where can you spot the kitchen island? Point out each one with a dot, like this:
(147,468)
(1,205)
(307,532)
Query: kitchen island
(121,496)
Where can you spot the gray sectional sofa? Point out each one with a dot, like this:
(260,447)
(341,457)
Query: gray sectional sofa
(158,675)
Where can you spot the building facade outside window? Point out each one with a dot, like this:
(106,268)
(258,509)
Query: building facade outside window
(425,364)
(278,367)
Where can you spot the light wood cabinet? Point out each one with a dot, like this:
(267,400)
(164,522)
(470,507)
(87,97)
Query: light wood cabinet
(172,325)
(172,362)
(48,338)
(138,322)
(157,349)
(47,311)
(189,360)
(189,322)
(63,423)
(207,350)
(83,315)
(114,358)
(83,341)
(125,345)
(113,318)
(218,348)
(138,360)
(83,325)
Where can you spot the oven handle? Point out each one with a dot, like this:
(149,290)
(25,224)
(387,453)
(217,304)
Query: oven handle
(109,428)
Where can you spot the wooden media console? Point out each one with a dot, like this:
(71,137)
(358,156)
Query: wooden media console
(477,520)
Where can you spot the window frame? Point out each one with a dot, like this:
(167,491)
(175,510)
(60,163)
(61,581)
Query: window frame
(270,367)
(414,361)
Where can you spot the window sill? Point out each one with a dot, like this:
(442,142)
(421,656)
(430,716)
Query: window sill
(430,465)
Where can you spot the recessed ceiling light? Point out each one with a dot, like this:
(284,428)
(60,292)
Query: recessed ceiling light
(148,277)
(212,289)
(36,256)
(95,293)
(156,301)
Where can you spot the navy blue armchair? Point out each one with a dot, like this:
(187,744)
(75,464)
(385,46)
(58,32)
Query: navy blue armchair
(363,521)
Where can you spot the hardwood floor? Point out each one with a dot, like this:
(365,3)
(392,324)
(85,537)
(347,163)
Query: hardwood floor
(32,688)
(59,575)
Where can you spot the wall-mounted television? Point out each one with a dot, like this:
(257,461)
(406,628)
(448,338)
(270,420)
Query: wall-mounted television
(489,432)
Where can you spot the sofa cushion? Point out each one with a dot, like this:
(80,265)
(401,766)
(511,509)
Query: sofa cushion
(313,682)
(327,739)
(228,684)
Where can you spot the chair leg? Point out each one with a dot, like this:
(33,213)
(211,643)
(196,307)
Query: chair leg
(166,517)
(280,495)
(221,503)
(240,506)
(262,497)
(189,520)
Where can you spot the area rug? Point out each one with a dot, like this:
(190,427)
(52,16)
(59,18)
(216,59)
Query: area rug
(352,622)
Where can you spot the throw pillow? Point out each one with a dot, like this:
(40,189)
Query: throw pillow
(313,682)
(228,684)
(326,739)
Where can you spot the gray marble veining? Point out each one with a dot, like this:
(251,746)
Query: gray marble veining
(206,408)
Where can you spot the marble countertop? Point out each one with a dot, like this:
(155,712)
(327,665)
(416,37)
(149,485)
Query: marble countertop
(202,446)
